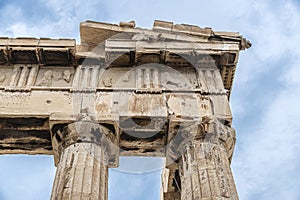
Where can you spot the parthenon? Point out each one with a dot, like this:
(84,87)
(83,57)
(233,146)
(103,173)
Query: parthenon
(124,91)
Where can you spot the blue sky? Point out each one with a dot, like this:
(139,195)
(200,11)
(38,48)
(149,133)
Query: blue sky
(265,97)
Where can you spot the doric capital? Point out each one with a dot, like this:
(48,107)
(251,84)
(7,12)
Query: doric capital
(209,130)
(219,132)
(66,134)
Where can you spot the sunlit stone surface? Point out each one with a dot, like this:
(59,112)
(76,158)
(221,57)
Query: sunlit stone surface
(124,91)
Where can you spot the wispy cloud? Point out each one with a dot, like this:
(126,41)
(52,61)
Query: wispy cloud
(55,19)
(265,98)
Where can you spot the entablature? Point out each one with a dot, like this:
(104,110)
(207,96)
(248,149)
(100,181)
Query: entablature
(124,45)
(37,51)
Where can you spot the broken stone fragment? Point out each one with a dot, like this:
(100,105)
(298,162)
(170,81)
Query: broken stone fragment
(130,24)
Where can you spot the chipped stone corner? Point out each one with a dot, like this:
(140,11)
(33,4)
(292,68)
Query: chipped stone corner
(124,91)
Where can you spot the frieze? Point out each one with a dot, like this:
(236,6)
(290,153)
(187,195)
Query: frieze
(55,77)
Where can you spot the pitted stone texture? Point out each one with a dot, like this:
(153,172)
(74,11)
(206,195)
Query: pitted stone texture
(81,174)
(208,129)
(205,173)
(158,92)
(171,196)
(64,135)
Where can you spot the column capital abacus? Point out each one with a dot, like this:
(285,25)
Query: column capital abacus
(85,131)
(209,129)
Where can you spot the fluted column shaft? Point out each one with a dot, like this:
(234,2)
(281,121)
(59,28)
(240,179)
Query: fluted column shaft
(81,174)
(201,152)
(205,173)
(84,150)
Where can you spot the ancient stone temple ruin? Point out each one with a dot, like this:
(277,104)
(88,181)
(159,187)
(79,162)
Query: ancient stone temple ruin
(124,91)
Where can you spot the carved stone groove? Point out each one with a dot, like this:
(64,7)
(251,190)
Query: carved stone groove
(81,174)
(84,131)
(83,152)
(205,173)
(124,90)
(202,152)
(209,129)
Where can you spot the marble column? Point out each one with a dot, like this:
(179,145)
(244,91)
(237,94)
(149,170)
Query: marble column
(205,173)
(85,150)
(81,173)
(170,189)
(201,151)
(204,166)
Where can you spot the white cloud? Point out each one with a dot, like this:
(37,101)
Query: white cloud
(273,30)
(270,151)
(266,158)
(56,19)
